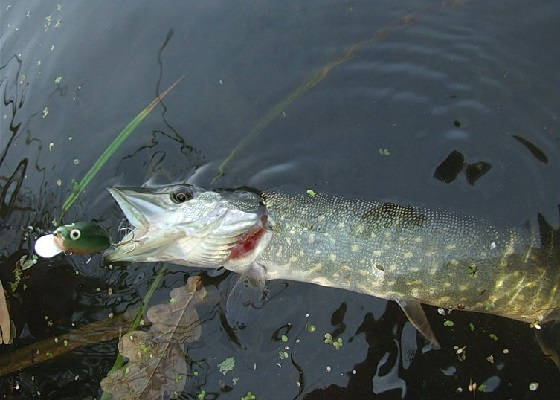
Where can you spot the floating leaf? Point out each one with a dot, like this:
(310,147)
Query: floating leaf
(338,343)
(156,365)
(175,321)
(227,365)
(160,374)
(249,396)
(384,151)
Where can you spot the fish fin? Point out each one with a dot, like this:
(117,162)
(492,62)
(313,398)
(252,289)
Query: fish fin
(247,296)
(548,338)
(415,314)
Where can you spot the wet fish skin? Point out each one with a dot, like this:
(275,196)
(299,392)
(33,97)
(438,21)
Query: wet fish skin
(402,253)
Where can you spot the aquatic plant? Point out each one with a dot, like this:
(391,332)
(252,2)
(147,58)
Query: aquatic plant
(113,146)
(156,364)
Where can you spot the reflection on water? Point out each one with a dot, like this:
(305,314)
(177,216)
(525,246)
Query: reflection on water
(383,382)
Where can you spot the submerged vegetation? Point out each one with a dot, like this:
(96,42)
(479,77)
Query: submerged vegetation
(113,146)
(157,365)
(97,241)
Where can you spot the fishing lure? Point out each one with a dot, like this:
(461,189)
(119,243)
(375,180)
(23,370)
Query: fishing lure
(78,237)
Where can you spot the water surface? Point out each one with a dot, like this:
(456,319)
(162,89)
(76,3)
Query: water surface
(441,104)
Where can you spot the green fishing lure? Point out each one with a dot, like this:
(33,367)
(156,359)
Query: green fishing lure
(82,238)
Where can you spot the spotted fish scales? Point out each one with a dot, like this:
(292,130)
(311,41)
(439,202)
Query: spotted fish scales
(392,251)
(402,253)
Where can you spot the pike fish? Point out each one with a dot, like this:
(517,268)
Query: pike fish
(407,254)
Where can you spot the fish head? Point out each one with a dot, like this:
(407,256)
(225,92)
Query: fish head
(184,224)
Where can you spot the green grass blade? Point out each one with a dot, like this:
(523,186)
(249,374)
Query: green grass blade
(121,137)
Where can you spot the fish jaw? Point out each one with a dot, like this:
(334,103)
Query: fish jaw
(143,213)
(199,232)
(135,206)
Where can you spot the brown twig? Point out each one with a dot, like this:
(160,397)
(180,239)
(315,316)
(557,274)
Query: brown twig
(48,349)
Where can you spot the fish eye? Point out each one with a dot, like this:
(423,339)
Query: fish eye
(180,197)
(75,234)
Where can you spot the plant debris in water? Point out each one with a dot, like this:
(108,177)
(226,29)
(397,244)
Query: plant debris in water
(5,322)
(249,396)
(156,365)
(336,343)
(227,365)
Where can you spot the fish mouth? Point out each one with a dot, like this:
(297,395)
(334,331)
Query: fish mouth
(135,205)
(137,208)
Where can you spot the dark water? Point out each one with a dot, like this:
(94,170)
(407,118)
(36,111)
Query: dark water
(448,104)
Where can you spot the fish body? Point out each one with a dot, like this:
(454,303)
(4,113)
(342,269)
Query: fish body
(394,252)
(402,253)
